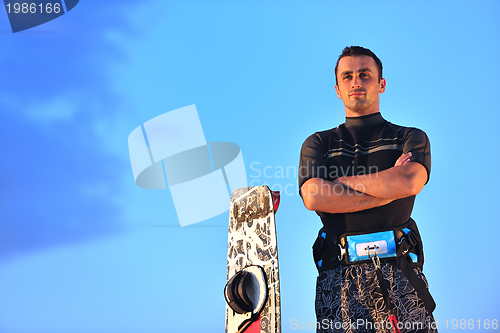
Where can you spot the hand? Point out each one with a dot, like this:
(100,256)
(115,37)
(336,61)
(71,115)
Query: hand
(403,159)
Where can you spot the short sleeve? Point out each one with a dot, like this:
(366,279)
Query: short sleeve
(312,161)
(417,142)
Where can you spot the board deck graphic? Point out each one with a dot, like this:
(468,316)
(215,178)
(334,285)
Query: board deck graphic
(252,241)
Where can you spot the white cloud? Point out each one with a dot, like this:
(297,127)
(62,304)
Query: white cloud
(59,108)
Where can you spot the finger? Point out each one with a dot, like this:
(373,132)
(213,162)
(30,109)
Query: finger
(400,159)
(409,155)
(403,159)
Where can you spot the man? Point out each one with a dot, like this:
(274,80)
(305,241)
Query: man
(361,178)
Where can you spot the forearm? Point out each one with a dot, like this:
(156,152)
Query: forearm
(394,183)
(332,197)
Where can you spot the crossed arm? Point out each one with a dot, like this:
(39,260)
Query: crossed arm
(356,193)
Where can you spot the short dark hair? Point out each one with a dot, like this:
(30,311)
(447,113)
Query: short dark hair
(353,51)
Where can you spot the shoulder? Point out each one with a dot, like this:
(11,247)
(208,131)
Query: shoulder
(323,136)
(408,132)
(320,142)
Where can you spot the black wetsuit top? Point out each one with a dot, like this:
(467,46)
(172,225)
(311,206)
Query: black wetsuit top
(363,145)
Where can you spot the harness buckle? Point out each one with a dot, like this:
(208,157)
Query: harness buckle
(375,259)
(408,241)
(412,238)
(342,252)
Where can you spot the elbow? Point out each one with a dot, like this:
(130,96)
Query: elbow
(413,191)
(413,186)
(309,196)
(309,202)
(416,189)
(415,179)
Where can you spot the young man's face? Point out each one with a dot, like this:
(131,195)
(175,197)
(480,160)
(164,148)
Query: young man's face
(358,85)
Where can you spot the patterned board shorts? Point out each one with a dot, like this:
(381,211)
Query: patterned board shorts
(348,299)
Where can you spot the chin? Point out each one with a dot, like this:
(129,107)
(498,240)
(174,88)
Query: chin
(358,110)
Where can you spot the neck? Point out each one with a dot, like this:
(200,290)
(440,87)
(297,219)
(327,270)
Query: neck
(366,120)
(362,111)
(351,113)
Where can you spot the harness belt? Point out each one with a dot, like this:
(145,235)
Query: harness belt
(400,245)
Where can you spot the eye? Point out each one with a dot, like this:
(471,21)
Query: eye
(364,75)
(347,77)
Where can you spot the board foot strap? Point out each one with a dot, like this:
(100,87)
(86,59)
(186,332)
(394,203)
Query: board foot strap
(251,325)
(276,200)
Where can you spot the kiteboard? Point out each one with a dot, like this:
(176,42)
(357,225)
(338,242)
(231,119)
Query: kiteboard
(252,290)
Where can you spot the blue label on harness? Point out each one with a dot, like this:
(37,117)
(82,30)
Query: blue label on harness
(361,247)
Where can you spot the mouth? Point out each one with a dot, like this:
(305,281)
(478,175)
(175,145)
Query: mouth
(357,94)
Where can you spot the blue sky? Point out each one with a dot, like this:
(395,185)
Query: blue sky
(83,249)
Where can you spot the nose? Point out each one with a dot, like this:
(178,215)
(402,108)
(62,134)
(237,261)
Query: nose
(356,82)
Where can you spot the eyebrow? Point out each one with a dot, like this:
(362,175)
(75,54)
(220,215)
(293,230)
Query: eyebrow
(362,70)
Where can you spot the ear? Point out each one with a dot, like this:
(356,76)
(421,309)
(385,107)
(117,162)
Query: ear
(383,83)
(338,92)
